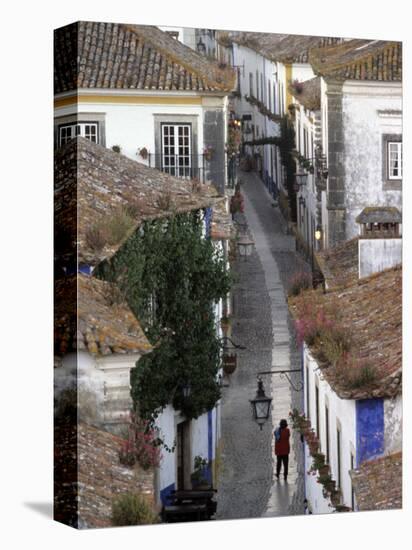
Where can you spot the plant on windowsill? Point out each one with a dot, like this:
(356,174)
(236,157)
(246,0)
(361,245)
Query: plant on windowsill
(208,152)
(329,490)
(143,153)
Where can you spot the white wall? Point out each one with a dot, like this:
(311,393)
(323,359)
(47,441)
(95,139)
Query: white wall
(341,411)
(378,254)
(393,424)
(103,385)
(302,71)
(132,126)
(363,127)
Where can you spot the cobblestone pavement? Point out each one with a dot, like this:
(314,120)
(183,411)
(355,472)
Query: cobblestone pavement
(247,487)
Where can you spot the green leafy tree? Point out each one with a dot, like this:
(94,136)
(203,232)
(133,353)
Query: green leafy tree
(171,277)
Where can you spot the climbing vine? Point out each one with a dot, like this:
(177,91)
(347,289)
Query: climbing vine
(171,277)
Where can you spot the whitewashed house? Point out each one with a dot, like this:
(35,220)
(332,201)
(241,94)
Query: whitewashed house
(361,114)
(355,407)
(311,166)
(267,65)
(96,351)
(138,89)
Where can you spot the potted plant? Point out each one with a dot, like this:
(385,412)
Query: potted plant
(198,476)
(208,152)
(229,363)
(116,148)
(143,152)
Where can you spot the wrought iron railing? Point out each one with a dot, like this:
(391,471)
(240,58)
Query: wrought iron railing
(181,166)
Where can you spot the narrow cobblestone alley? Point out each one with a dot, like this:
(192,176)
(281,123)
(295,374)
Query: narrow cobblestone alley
(261,322)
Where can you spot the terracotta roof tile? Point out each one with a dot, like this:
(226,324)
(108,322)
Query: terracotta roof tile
(339,265)
(92,184)
(87,317)
(378,483)
(309,97)
(86,497)
(359,60)
(222,224)
(287,48)
(119,56)
(371,310)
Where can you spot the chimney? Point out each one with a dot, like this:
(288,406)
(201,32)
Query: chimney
(380,240)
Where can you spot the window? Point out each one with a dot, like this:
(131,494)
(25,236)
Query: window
(317,410)
(262,89)
(257,85)
(176,149)
(250,84)
(392,154)
(394,160)
(269,96)
(307,394)
(327,434)
(88,130)
(339,458)
(352,467)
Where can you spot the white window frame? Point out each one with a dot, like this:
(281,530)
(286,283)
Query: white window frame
(78,129)
(179,167)
(397,147)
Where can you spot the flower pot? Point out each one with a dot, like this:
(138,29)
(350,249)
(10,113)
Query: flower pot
(229,364)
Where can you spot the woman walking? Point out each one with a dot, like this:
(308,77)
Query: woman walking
(282,448)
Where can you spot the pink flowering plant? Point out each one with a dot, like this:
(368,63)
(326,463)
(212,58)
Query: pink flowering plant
(141,446)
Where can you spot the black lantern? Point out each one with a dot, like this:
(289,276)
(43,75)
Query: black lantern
(261,405)
(318,233)
(201,48)
(302,202)
(245,246)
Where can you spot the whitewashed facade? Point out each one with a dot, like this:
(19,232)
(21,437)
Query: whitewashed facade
(342,428)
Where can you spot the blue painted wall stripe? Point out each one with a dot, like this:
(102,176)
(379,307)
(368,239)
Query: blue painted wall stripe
(165,493)
(370,429)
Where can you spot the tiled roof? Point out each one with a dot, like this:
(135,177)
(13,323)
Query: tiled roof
(88,317)
(139,57)
(287,48)
(222,224)
(359,60)
(339,265)
(309,97)
(378,483)
(371,310)
(92,184)
(86,497)
(380,214)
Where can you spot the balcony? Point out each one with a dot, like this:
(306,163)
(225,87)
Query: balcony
(181,166)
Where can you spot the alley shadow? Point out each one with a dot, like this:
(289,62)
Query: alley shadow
(45,509)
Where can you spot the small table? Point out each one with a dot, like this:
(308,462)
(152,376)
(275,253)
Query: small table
(185,512)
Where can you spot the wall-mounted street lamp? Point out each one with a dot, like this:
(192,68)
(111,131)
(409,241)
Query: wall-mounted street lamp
(302,202)
(245,246)
(229,357)
(261,403)
(318,233)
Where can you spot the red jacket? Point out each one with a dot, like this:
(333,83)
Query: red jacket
(282,446)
